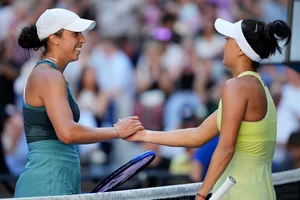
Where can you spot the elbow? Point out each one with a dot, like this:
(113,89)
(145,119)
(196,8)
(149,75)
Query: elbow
(67,136)
(197,143)
(66,140)
(197,140)
(228,152)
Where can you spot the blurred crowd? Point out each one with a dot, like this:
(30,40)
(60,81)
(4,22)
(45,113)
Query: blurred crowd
(158,59)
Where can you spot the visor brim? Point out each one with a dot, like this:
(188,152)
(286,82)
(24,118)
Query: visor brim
(224,27)
(81,25)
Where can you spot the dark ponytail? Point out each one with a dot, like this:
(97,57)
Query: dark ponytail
(28,38)
(263,38)
(277,30)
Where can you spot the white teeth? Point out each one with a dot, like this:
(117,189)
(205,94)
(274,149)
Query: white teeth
(78,49)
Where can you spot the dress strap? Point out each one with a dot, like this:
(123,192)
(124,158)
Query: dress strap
(257,75)
(249,73)
(49,62)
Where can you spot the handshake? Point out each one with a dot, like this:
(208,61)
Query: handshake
(129,128)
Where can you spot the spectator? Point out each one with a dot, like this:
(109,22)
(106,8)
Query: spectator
(153,86)
(182,162)
(201,160)
(3,118)
(93,104)
(292,160)
(288,112)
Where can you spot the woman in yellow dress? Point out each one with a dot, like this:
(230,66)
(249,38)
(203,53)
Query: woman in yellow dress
(245,119)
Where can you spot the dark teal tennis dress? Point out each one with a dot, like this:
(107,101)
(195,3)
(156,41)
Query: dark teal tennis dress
(53,168)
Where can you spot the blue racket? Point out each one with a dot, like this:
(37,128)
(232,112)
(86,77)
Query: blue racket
(125,172)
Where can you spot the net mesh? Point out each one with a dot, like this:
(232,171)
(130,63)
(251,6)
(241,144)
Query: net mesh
(287,187)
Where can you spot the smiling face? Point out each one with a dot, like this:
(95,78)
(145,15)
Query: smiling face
(69,45)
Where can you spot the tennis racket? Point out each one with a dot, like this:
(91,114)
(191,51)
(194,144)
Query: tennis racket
(229,182)
(125,172)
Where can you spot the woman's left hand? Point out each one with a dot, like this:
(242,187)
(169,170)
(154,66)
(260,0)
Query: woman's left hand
(128,126)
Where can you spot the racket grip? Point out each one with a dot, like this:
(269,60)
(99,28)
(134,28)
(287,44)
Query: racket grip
(229,182)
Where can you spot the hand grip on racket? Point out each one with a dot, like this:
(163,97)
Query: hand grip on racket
(229,182)
(125,172)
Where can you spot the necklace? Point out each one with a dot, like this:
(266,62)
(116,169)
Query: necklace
(50,58)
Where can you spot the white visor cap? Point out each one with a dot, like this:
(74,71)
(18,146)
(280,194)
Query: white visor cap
(235,31)
(53,20)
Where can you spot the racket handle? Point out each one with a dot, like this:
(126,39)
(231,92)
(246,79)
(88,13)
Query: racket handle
(229,182)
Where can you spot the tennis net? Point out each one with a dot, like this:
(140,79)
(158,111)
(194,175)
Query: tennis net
(287,187)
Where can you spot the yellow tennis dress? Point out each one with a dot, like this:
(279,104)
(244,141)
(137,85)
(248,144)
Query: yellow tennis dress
(252,161)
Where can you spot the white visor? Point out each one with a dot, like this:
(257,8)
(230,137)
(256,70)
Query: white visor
(235,31)
(53,20)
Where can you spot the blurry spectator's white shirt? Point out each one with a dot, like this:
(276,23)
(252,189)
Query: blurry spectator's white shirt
(113,72)
(6,16)
(173,60)
(117,17)
(210,49)
(288,113)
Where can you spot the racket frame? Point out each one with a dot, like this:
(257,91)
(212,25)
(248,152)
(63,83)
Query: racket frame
(123,168)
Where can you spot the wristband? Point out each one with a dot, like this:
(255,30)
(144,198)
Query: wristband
(119,134)
(201,195)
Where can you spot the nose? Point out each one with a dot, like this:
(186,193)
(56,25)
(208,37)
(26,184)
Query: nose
(81,38)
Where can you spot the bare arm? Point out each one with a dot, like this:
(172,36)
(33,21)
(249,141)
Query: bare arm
(233,111)
(55,100)
(191,137)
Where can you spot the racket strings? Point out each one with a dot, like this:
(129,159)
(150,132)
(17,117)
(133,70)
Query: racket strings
(126,174)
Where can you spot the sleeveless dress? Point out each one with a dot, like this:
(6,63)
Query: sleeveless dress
(252,162)
(53,168)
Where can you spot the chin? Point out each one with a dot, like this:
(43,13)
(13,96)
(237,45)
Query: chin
(225,64)
(76,58)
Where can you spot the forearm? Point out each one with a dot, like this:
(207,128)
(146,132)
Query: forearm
(191,137)
(218,164)
(79,134)
(179,138)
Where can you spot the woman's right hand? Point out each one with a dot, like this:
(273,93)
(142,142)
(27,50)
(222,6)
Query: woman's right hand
(128,126)
(137,136)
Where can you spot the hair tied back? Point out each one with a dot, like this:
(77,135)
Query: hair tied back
(277,37)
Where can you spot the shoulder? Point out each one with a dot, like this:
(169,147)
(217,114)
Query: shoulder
(238,88)
(236,85)
(44,74)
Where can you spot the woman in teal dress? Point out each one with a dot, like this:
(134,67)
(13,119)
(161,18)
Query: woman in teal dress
(51,112)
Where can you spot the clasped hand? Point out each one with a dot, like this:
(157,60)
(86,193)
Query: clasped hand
(128,126)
